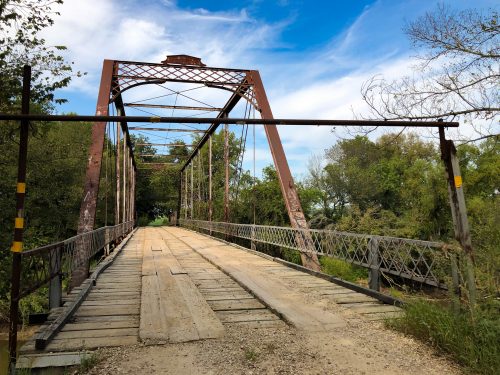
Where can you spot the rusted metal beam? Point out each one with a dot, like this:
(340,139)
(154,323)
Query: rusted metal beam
(288,189)
(165,144)
(159,163)
(191,192)
(210,203)
(91,187)
(179,201)
(125,182)
(228,120)
(118,176)
(162,155)
(179,107)
(226,173)
(168,130)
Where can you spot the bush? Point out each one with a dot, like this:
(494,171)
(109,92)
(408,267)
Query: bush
(343,270)
(142,221)
(473,339)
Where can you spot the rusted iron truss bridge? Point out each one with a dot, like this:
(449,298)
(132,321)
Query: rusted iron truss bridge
(176,284)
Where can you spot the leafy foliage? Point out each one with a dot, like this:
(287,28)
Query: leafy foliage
(472,339)
(20,24)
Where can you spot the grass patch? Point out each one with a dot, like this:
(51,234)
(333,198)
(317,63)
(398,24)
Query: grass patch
(292,256)
(343,270)
(251,355)
(88,361)
(473,340)
(158,222)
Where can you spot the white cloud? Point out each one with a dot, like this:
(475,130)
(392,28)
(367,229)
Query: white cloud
(321,84)
(124,30)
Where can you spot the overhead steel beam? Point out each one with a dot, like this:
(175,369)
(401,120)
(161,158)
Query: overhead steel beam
(179,107)
(228,120)
(167,130)
(165,144)
(162,155)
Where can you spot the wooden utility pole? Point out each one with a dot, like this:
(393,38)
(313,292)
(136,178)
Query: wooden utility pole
(17,244)
(458,209)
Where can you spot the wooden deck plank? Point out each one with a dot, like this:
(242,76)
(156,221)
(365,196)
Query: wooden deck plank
(281,298)
(236,304)
(90,343)
(132,323)
(246,316)
(93,333)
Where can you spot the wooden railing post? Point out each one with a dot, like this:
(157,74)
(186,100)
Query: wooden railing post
(373,261)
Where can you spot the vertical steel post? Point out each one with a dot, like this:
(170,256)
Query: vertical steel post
(91,188)
(134,181)
(199,185)
(226,174)
(17,244)
(458,209)
(179,201)
(185,195)
(118,177)
(191,192)
(125,156)
(132,195)
(288,189)
(210,203)
(129,183)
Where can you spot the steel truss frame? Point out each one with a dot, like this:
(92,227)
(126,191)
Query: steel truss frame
(120,76)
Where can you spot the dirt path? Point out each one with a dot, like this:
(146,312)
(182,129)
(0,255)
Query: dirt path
(360,348)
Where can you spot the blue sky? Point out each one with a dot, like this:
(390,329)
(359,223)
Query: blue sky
(313,55)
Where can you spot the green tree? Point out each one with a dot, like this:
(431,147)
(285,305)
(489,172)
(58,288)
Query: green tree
(20,24)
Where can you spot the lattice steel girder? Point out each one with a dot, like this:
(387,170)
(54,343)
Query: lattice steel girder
(130,74)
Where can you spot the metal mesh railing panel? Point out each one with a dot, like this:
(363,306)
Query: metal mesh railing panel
(42,264)
(421,261)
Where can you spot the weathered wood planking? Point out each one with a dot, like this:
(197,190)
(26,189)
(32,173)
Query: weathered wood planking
(172,307)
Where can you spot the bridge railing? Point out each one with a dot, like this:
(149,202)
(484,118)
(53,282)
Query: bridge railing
(57,260)
(419,261)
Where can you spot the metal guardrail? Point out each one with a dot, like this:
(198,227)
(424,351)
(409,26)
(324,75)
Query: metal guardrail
(419,261)
(43,264)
